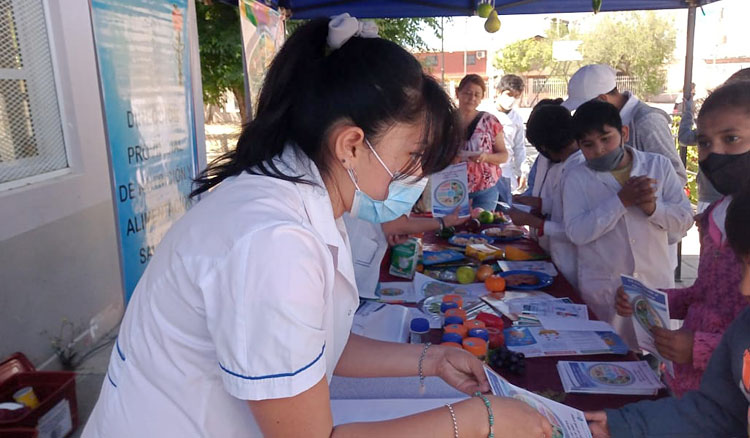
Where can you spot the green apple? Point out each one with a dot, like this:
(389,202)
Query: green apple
(465,274)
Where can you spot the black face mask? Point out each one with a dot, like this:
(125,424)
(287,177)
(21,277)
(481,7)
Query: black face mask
(727,173)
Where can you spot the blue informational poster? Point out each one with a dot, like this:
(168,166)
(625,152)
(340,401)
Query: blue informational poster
(144,72)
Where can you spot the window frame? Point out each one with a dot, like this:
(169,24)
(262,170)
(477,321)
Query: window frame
(45,143)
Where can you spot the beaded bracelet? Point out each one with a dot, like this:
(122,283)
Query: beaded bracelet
(421,373)
(453,417)
(489,413)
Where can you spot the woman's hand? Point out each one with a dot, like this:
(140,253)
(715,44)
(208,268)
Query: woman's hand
(453,220)
(597,423)
(481,158)
(516,419)
(458,368)
(622,304)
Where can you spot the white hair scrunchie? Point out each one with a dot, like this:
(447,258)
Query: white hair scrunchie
(344,26)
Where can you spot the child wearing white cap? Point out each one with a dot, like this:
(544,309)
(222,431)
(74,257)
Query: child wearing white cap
(648,126)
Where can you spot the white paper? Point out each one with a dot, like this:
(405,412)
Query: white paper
(450,190)
(574,324)
(425,286)
(552,308)
(536,265)
(538,341)
(396,292)
(634,377)
(384,322)
(566,421)
(503,306)
(650,309)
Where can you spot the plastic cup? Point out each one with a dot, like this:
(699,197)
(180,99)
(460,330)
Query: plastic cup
(27,397)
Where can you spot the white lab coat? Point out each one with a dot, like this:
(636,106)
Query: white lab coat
(369,245)
(249,296)
(614,240)
(554,240)
(515,141)
(542,168)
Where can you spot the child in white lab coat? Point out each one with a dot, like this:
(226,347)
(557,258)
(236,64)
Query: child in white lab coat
(550,131)
(620,208)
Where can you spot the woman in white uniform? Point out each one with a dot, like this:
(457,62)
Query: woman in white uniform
(244,312)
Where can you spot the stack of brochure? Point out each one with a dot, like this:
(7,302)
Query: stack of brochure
(566,421)
(628,378)
(650,309)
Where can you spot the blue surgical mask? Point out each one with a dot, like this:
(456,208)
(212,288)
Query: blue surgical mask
(402,195)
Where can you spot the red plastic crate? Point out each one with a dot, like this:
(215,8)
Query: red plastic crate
(57,413)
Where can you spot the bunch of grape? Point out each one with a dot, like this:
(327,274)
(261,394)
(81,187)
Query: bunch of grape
(505,359)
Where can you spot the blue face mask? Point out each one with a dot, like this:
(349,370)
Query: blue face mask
(402,195)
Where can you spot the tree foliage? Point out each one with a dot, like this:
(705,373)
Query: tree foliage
(525,55)
(638,44)
(220,45)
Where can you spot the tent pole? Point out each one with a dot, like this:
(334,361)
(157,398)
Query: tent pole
(686,94)
(687,87)
(442,52)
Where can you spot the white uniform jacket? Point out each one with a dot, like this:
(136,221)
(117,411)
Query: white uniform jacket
(614,240)
(555,240)
(249,296)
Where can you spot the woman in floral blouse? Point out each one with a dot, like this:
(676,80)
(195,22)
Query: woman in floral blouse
(484,150)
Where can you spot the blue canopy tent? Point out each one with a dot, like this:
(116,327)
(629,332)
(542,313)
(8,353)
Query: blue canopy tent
(301,9)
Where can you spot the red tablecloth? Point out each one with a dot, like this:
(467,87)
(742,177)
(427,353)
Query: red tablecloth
(541,372)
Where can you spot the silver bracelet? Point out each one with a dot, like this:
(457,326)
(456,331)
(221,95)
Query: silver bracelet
(453,417)
(421,373)
(442,223)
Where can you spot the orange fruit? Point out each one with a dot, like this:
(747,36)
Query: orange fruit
(495,283)
(484,271)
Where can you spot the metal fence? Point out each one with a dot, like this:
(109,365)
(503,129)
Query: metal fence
(553,87)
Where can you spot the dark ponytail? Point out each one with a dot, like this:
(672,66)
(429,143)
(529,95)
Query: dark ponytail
(371,82)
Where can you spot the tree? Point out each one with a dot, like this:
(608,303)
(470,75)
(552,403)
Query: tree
(220,46)
(533,53)
(525,55)
(637,44)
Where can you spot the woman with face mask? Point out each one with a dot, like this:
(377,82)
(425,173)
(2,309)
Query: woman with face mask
(484,148)
(244,313)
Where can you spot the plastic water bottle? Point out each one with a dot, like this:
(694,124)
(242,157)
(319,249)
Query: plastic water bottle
(420,331)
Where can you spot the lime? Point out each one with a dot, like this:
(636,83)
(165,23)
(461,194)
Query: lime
(465,274)
(486,217)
